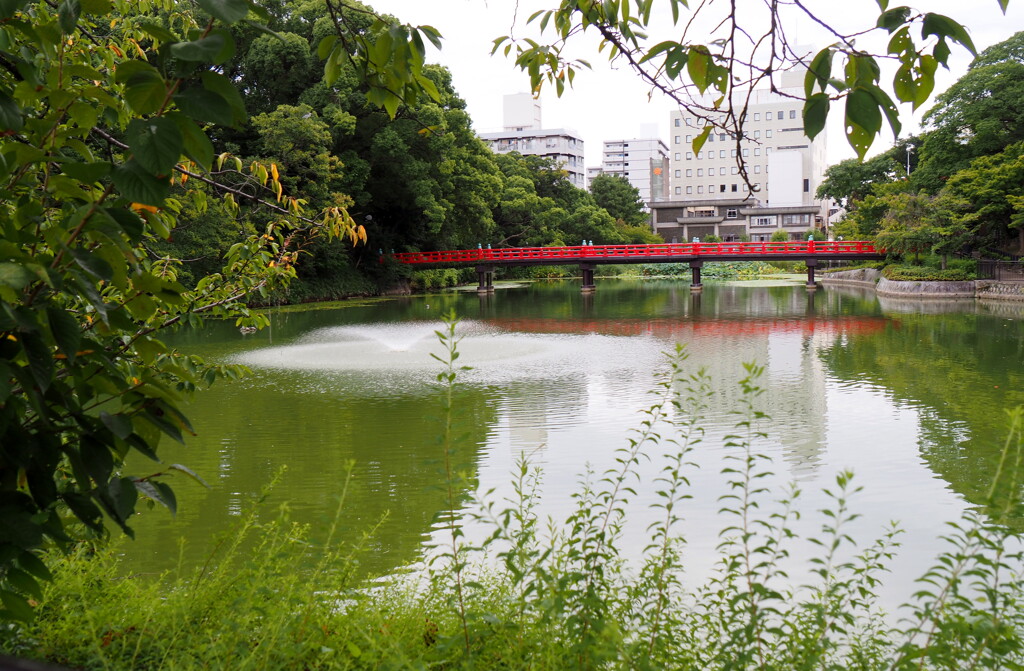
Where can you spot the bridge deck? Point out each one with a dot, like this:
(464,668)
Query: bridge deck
(662,253)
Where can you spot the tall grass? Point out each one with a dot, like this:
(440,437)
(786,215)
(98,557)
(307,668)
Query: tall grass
(569,593)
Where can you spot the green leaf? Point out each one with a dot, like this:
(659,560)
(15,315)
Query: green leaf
(158,32)
(131,225)
(119,424)
(156,144)
(40,360)
(16,607)
(8,8)
(326,46)
(892,19)
(10,114)
(90,173)
(819,71)
(943,26)
(145,90)
(66,331)
(204,105)
(228,11)
(15,276)
(225,88)
(699,141)
(815,113)
(197,145)
(68,14)
(862,110)
(122,495)
(137,185)
(97,460)
(159,492)
(97,7)
(34,566)
(189,472)
(209,49)
(697,66)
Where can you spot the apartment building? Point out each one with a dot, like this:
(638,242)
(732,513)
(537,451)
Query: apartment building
(643,162)
(784,166)
(523,132)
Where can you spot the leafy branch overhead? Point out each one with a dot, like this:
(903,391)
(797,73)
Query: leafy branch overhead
(112,119)
(720,55)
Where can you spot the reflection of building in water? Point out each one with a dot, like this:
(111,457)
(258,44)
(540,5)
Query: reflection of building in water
(538,406)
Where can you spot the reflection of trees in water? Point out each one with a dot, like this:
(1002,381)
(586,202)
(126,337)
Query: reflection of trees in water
(316,425)
(960,370)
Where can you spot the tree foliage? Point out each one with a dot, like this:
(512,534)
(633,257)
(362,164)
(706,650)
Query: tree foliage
(620,198)
(110,117)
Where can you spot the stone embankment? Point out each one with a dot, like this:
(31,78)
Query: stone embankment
(982,289)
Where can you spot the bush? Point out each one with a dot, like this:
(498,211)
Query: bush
(927,273)
(441,278)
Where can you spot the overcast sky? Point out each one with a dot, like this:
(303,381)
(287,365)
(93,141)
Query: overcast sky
(608,103)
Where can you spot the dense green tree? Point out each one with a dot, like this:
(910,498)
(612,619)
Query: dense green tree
(849,181)
(987,198)
(109,112)
(979,115)
(620,198)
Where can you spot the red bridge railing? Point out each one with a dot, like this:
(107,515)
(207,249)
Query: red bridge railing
(642,253)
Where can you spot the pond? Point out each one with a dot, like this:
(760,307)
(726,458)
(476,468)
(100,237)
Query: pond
(910,396)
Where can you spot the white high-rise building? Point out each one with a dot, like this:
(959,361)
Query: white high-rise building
(784,165)
(523,133)
(643,162)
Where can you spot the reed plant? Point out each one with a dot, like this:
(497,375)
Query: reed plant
(541,593)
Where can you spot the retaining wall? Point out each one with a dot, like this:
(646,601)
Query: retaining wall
(980,289)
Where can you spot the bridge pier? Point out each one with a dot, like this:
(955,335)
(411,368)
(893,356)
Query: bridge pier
(811,264)
(485,274)
(587,270)
(695,267)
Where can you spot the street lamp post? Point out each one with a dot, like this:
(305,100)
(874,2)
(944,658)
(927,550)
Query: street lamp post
(909,149)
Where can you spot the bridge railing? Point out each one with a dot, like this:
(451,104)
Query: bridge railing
(641,252)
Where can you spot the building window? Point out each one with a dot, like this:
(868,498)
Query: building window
(792,114)
(757,134)
(744,187)
(678,155)
(767,150)
(679,190)
(768,133)
(700,189)
(767,116)
(700,172)
(721,153)
(734,188)
(721,188)
(689,121)
(689,190)
(689,172)
(757,169)
(762,221)
(757,116)
(746,152)
(700,123)
(679,173)
(757,151)
(689,155)
(735,170)
(689,139)
(721,171)
(677,122)
(732,153)
(677,139)
(721,137)
(807,185)
(711,138)
(732,212)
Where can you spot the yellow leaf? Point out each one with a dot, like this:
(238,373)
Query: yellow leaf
(139,207)
(113,47)
(273,171)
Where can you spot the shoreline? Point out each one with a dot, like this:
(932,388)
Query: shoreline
(984,290)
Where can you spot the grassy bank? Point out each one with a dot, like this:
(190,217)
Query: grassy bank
(565,593)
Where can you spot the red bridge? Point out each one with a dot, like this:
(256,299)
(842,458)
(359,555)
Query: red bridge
(693,253)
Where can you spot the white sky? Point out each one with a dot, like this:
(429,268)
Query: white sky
(610,104)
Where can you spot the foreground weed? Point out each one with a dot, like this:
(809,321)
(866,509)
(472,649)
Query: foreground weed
(565,593)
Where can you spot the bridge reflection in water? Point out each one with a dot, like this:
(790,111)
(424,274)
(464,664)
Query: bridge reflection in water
(695,254)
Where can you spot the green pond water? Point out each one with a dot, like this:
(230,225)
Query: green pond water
(910,395)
